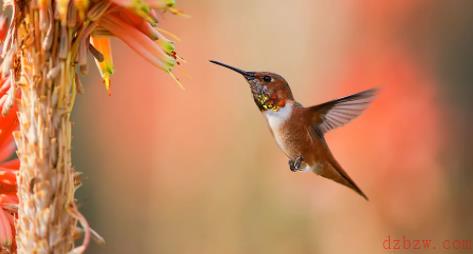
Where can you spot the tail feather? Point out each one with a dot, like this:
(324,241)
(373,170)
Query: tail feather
(334,171)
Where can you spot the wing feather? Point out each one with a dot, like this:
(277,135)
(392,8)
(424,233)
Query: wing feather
(336,113)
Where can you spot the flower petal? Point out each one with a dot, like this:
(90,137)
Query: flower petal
(3,28)
(102,44)
(141,8)
(139,42)
(6,230)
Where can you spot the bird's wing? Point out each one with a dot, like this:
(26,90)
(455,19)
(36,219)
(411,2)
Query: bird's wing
(333,114)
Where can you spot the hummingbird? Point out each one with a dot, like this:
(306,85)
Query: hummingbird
(299,131)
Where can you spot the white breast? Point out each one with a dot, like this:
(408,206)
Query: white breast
(276,120)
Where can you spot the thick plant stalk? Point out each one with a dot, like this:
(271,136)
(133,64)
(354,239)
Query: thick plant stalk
(46,221)
(47,43)
(45,181)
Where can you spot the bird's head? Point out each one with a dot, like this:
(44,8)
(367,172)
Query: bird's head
(270,91)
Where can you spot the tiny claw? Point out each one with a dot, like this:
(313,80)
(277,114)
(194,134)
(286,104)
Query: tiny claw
(295,165)
(291,166)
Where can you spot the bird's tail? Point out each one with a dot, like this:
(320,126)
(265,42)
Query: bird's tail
(332,170)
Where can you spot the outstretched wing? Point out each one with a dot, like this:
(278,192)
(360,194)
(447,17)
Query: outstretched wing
(333,114)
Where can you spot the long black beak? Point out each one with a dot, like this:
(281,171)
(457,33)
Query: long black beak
(246,74)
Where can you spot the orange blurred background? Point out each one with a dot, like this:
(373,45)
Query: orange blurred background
(197,171)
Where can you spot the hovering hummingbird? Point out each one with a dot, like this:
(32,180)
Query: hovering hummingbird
(298,130)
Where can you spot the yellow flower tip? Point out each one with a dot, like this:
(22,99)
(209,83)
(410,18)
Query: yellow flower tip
(169,3)
(180,59)
(62,6)
(167,46)
(171,35)
(177,81)
(108,84)
(143,10)
(163,5)
(82,6)
(179,13)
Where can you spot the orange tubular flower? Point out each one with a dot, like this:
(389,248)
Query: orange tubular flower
(8,187)
(132,21)
(135,23)
(104,62)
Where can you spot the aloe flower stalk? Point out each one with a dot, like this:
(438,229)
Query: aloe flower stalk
(44,45)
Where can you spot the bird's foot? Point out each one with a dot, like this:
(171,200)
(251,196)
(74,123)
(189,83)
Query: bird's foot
(295,165)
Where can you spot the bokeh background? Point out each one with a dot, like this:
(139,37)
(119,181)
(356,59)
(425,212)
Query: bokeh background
(197,171)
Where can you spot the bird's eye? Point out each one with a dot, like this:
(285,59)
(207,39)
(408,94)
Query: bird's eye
(267,78)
